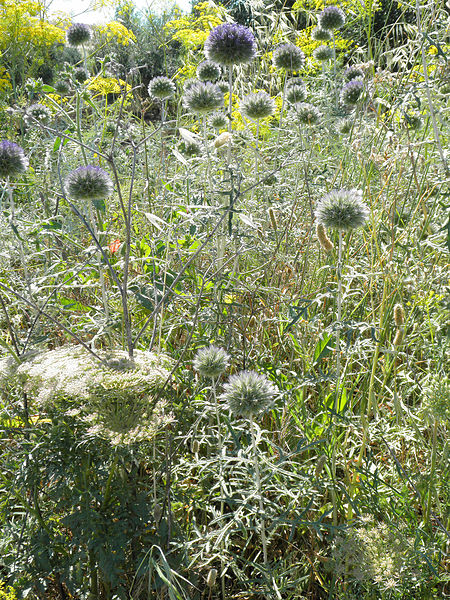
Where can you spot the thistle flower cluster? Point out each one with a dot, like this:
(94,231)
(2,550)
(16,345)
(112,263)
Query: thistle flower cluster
(81,74)
(288,57)
(37,113)
(306,113)
(249,394)
(218,120)
(88,183)
(295,91)
(353,72)
(208,71)
(230,44)
(342,209)
(352,91)
(78,34)
(161,88)
(203,98)
(211,362)
(323,53)
(13,161)
(258,106)
(321,35)
(332,17)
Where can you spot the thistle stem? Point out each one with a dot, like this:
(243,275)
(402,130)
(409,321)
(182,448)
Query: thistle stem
(338,322)
(258,488)
(433,468)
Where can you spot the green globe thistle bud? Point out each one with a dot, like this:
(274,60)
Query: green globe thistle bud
(352,91)
(203,98)
(332,17)
(211,362)
(208,71)
(62,87)
(321,35)
(38,113)
(306,113)
(161,88)
(188,83)
(88,183)
(230,44)
(248,394)
(288,57)
(353,72)
(218,120)
(413,121)
(323,53)
(258,106)
(295,91)
(342,209)
(436,397)
(223,86)
(270,179)
(190,149)
(13,161)
(345,126)
(78,34)
(81,74)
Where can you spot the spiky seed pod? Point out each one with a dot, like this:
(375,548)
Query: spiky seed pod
(306,113)
(62,87)
(332,17)
(399,335)
(296,91)
(211,362)
(190,149)
(230,44)
(258,106)
(223,139)
(342,209)
(324,240)
(211,579)
(352,91)
(323,53)
(288,57)
(81,74)
(88,183)
(78,34)
(399,315)
(208,71)
(321,35)
(203,98)
(353,72)
(38,113)
(218,120)
(248,394)
(161,88)
(345,126)
(13,161)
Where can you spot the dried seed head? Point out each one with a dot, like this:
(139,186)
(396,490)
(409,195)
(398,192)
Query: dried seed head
(399,315)
(195,446)
(400,334)
(324,240)
(320,465)
(222,139)
(211,579)
(273,218)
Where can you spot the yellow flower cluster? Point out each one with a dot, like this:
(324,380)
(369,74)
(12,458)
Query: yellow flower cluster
(192,30)
(102,86)
(20,24)
(118,32)
(5,80)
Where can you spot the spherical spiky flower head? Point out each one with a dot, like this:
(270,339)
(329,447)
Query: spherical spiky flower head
(161,88)
(13,161)
(224,87)
(323,53)
(306,113)
(295,91)
(78,34)
(413,121)
(218,120)
(353,73)
(81,74)
(38,113)
(62,87)
(203,98)
(190,149)
(342,209)
(332,17)
(88,183)
(352,92)
(208,71)
(230,44)
(345,126)
(288,57)
(188,83)
(258,106)
(321,35)
(211,362)
(249,394)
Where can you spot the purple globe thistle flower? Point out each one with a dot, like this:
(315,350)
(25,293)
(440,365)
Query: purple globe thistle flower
(81,74)
(12,159)
(161,88)
(332,17)
(230,44)
(258,106)
(321,35)
(203,98)
(78,34)
(351,92)
(353,72)
(88,183)
(295,91)
(208,71)
(211,362)
(323,53)
(248,394)
(288,57)
(342,209)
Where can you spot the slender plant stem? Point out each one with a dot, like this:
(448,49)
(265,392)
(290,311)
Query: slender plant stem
(259,492)
(433,468)
(338,323)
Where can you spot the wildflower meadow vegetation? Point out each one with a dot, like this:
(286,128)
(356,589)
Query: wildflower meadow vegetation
(224,242)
